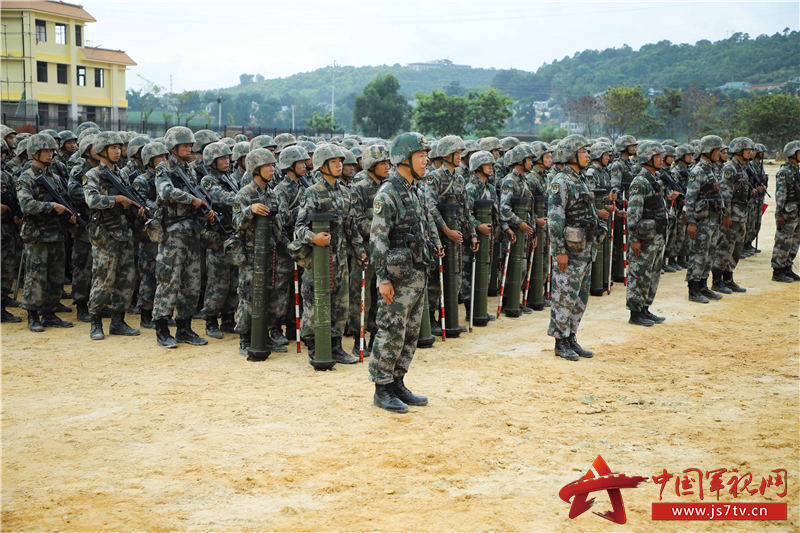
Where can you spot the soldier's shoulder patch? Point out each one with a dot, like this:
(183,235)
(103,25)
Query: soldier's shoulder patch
(554,187)
(378,206)
(635,188)
(207,184)
(18,184)
(506,188)
(691,176)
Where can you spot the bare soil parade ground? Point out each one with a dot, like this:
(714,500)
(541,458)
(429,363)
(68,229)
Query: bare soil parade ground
(123,435)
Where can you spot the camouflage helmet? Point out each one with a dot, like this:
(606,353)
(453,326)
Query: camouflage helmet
(66,135)
(480,158)
(449,144)
(791,148)
(539,148)
(21,147)
(709,143)
(39,141)
(741,143)
(151,150)
(229,141)
(136,144)
(598,149)
(3,145)
(283,140)
(23,135)
(324,153)
(489,143)
(87,131)
(760,148)
(374,154)
(308,146)
(215,150)
(349,157)
(240,150)
(261,141)
(178,135)
(85,125)
(516,155)
(52,133)
(104,139)
(507,143)
(404,145)
(434,154)
(292,155)
(350,143)
(240,138)
(86,143)
(669,142)
(568,148)
(624,141)
(357,151)
(682,150)
(258,158)
(471,146)
(646,150)
(5,131)
(669,150)
(202,138)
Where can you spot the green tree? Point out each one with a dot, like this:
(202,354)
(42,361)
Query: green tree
(324,122)
(524,118)
(487,111)
(773,119)
(380,110)
(698,113)
(439,114)
(550,132)
(625,108)
(668,105)
(585,110)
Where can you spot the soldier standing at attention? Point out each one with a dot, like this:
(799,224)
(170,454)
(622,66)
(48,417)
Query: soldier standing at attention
(787,215)
(400,266)
(647,228)
(573,223)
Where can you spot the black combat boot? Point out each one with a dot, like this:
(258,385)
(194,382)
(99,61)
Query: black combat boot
(727,277)
(711,295)
(186,334)
(309,342)
(466,311)
(244,343)
(683,261)
(65,295)
(778,274)
(8,317)
(718,284)
(50,320)
(34,323)
(666,267)
(277,336)
(655,318)
(82,310)
(673,261)
(368,351)
(791,273)
(212,328)
(146,319)
(563,349)
(10,302)
(406,396)
(163,337)
(578,349)
(96,329)
(385,399)
(273,346)
(339,355)
(638,319)
(61,308)
(357,347)
(436,327)
(119,327)
(228,323)
(525,309)
(694,293)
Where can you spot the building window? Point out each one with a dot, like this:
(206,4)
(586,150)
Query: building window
(82,76)
(99,77)
(61,33)
(41,71)
(61,72)
(41,30)
(78,36)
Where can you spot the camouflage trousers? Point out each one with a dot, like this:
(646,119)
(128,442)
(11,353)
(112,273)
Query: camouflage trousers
(702,249)
(754,219)
(221,281)
(11,254)
(244,289)
(340,300)
(146,261)
(398,330)
(729,245)
(433,278)
(44,275)
(81,267)
(569,292)
(282,298)
(787,240)
(370,296)
(178,275)
(113,276)
(677,238)
(644,273)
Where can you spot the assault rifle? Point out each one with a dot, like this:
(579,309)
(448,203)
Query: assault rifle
(57,197)
(128,192)
(179,173)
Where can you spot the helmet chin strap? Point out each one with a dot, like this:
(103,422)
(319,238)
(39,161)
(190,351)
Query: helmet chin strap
(411,168)
(40,161)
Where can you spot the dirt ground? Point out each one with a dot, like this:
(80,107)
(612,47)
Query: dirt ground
(123,435)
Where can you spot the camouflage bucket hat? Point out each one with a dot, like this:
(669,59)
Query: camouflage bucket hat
(202,138)
(178,135)
(406,144)
(240,150)
(741,143)
(38,142)
(448,145)
(489,143)
(646,150)
(373,155)
(324,153)
(213,151)
(709,143)
(136,144)
(291,155)
(480,158)
(568,148)
(258,158)
(151,150)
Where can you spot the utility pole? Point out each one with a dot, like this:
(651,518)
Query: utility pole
(219,113)
(333,90)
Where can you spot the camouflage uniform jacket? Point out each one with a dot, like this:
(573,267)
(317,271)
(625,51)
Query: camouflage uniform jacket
(537,181)
(477,189)
(9,195)
(570,202)
(787,191)
(735,188)
(598,176)
(180,214)
(244,220)
(622,172)
(221,191)
(645,202)
(363,195)
(514,187)
(101,201)
(145,185)
(701,199)
(238,175)
(38,213)
(444,187)
(289,194)
(77,196)
(131,170)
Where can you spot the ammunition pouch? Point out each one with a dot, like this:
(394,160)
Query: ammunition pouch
(300,253)
(29,231)
(234,249)
(791,211)
(154,228)
(98,233)
(399,264)
(575,237)
(211,237)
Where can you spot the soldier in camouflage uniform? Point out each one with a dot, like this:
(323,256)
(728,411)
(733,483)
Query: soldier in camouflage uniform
(238,154)
(597,174)
(736,191)
(10,220)
(42,232)
(220,189)
(622,171)
(202,138)
(573,224)
(134,166)
(8,135)
(329,196)
(376,169)
(111,234)
(16,164)
(678,246)
(254,199)
(704,209)
(178,271)
(787,215)
(756,201)
(400,270)
(647,228)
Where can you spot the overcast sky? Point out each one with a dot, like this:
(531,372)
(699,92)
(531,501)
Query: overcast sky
(207,44)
